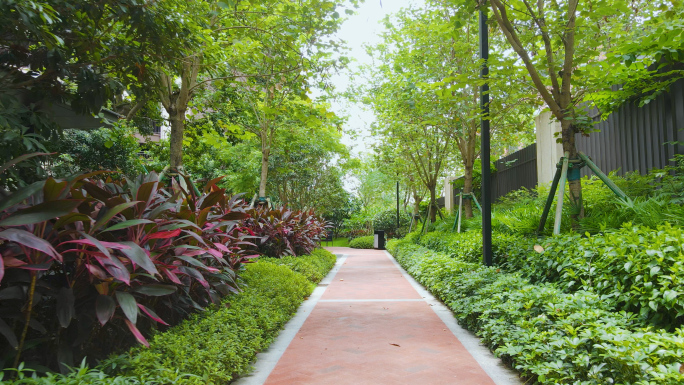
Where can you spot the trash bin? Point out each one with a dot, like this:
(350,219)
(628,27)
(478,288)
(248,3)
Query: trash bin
(379,240)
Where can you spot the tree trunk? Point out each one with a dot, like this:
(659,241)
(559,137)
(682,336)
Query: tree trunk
(177,119)
(416,203)
(433,204)
(265,153)
(574,187)
(468,188)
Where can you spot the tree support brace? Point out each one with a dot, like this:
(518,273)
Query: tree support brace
(569,170)
(457,220)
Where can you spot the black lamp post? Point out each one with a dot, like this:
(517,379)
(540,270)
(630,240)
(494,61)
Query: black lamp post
(484,151)
(397,205)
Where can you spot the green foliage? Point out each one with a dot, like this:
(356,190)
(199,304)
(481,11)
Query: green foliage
(109,148)
(467,246)
(550,336)
(314,266)
(83,375)
(387,220)
(219,345)
(362,242)
(635,268)
(216,346)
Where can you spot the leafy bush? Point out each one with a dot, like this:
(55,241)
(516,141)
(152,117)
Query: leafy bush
(314,266)
(636,269)
(82,259)
(387,220)
(112,148)
(362,242)
(467,246)
(282,232)
(550,336)
(222,343)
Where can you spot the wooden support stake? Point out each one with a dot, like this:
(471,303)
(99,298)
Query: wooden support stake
(549,201)
(460,214)
(561,194)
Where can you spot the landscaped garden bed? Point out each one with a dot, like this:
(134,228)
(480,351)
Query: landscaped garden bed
(91,267)
(548,334)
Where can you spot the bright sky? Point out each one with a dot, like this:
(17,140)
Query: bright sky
(357,30)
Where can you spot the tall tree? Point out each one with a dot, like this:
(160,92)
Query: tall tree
(305,57)
(435,48)
(555,42)
(79,53)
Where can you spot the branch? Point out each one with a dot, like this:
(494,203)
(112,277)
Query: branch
(499,11)
(244,76)
(136,108)
(541,23)
(569,45)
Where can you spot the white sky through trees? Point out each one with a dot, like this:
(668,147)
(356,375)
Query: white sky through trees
(358,30)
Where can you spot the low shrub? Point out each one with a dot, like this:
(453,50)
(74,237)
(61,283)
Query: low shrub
(362,242)
(314,266)
(550,336)
(635,268)
(467,246)
(280,232)
(221,344)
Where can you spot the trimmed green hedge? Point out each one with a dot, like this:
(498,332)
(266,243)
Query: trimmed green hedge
(548,335)
(362,242)
(218,345)
(221,345)
(314,266)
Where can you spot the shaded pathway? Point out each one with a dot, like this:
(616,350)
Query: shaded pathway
(372,325)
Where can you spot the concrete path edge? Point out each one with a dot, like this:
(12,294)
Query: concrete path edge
(268,359)
(493,366)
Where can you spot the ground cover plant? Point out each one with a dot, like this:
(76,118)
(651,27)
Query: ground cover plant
(549,335)
(362,242)
(313,266)
(214,346)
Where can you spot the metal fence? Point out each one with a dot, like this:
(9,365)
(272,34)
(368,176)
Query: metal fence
(637,138)
(633,138)
(514,171)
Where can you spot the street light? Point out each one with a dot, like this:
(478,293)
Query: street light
(484,151)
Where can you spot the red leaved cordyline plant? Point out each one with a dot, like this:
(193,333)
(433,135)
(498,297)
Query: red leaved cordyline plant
(280,232)
(99,253)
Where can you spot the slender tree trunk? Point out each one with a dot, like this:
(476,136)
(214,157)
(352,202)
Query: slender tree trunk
(433,203)
(574,187)
(177,120)
(468,188)
(264,171)
(416,202)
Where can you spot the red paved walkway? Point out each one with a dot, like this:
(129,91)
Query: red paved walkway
(372,327)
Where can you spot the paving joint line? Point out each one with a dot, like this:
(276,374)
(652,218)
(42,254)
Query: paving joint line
(373,300)
(267,360)
(493,366)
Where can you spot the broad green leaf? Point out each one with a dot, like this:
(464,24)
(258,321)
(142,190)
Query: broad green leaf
(40,213)
(128,305)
